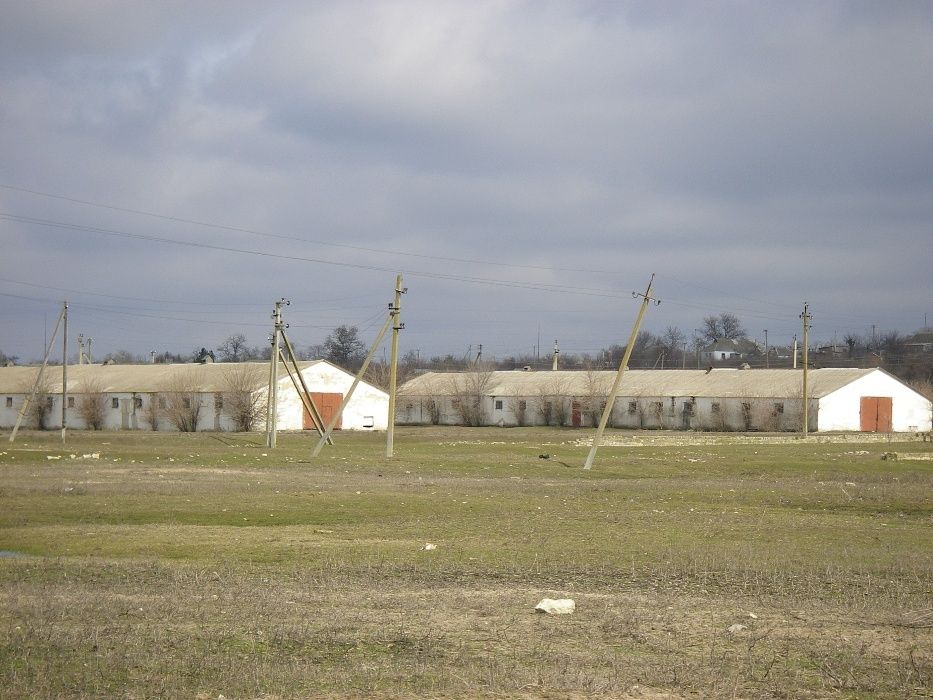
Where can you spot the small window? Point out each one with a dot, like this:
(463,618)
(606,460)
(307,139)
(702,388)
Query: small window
(115,402)
(779,407)
(9,402)
(632,407)
(522,405)
(498,405)
(689,408)
(186,402)
(219,401)
(161,402)
(658,408)
(368,421)
(716,408)
(746,408)
(137,402)
(71,402)
(455,403)
(48,401)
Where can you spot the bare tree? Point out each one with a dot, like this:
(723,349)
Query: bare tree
(725,325)
(153,410)
(40,408)
(234,348)
(92,404)
(183,403)
(242,402)
(519,409)
(597,388)
(468,391)
(550,404)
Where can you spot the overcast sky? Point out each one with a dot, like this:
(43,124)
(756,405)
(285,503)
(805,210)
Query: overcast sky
(525,165)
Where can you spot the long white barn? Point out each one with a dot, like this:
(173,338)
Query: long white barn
(868,400)
(187,396)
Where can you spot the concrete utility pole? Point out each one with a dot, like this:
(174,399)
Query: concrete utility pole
(88,356)
(64,371)
(614,393)
(80,348)
(272,395)
(684,357)
(556,355)
(795,351)
(38,382)
(806,396)
(396,314)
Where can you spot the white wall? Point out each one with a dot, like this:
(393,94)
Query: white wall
(840,410)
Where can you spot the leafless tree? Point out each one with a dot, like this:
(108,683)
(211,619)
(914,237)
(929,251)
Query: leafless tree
(550,405)
(183,403)
(153,410)
(242,403)
(92,404)
(725,325)
(233,349)
(40,408)
(597,388)
(519,409)
(468,391)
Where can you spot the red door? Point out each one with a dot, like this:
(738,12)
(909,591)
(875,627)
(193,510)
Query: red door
(575,415)
(875,414)
(327,405)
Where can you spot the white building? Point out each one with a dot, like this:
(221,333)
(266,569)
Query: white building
(209,396)
(868,400)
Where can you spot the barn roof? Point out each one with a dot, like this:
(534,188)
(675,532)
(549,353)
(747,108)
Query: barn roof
(724,383)
(211,377)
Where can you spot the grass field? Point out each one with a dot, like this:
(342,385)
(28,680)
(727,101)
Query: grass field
(158,565)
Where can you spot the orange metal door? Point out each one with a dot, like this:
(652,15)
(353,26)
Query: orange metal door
(875,414)
(575,414)
(327,405)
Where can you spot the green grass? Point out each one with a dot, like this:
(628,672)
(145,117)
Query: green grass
(181,565)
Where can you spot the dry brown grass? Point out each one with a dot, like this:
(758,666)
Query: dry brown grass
(197,565)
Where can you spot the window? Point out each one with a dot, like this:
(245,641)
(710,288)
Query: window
(716,408)
(161,402)
(522,405)
(48,401)
(689,408)
(137,402)
(658,407)
(186,402)
(779,407)
(219,401)
(115,402)
(9,402)
(71,402)
(633,407)
(499,405)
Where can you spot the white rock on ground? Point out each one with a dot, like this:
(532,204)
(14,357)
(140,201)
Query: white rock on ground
(560,606)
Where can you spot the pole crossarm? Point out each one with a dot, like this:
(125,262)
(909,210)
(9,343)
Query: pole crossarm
(614,393)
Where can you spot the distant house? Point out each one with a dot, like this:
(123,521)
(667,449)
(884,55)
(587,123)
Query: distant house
(208,396)
(920,342)
(726,350)
(868,400)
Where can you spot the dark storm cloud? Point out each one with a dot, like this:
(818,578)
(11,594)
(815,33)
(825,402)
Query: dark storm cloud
(752,154)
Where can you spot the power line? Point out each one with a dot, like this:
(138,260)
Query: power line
(566,289)
(266,234)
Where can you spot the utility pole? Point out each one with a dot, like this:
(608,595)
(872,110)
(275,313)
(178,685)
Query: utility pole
(395,314)
(89,341)
(684,356)
(795,351)
(38,382)
(479,354)
(64,370)
(80,348)
(556,355)
(614,393)
(767,355)
(272,394)
(806,397)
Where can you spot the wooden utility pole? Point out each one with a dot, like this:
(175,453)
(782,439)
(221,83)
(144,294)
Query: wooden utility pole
(614,393)
(395,314)
(64,371)
(806,346)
